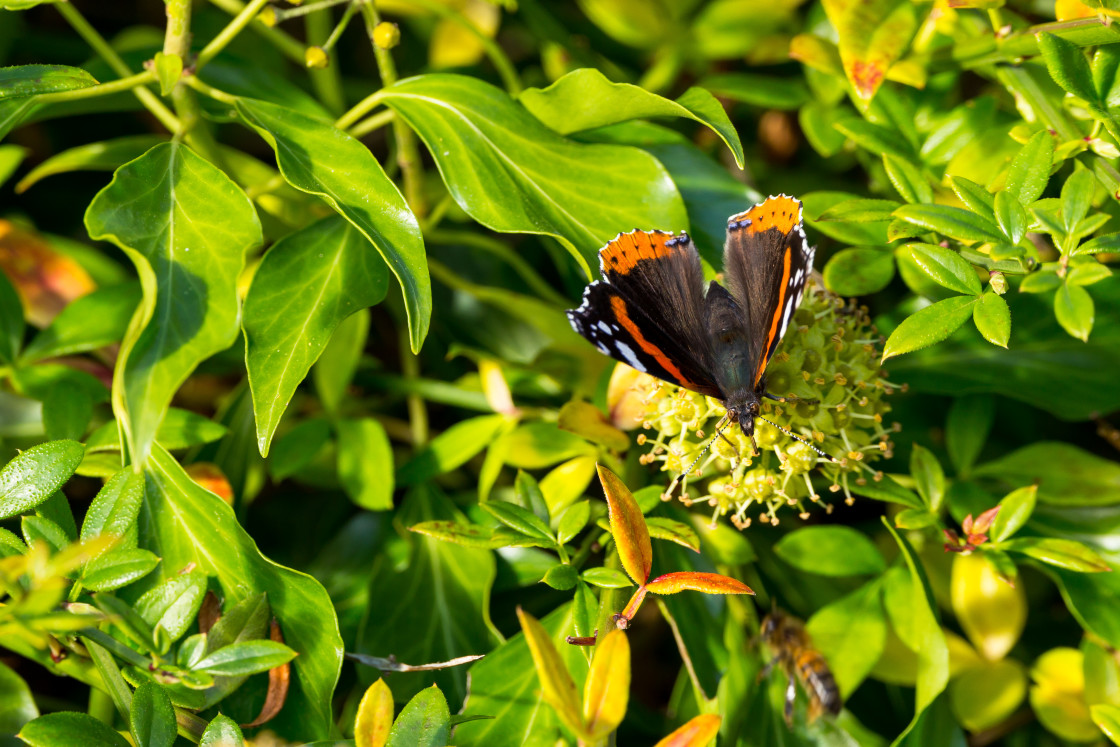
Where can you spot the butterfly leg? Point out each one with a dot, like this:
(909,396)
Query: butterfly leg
(754,445)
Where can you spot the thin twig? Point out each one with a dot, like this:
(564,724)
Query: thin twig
(392,665)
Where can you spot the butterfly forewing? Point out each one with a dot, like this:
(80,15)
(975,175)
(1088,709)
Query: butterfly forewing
(767,261)
(648,310)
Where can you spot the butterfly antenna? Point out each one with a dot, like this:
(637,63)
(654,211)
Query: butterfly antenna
(796,437)
(723,423)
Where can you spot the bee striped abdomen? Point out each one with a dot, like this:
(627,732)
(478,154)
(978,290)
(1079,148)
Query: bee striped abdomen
(815,675)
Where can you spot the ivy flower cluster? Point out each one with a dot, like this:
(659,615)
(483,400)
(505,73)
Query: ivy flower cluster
(829,360)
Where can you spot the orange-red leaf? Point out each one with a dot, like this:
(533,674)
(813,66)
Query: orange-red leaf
(698,732)
(607,690)
(873,34)
(45,279)
(557,687)
(628,527)
(709,583)
(375,716)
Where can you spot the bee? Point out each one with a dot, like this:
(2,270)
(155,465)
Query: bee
(792,648)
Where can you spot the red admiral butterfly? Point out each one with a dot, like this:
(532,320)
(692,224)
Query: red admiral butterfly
(650,310)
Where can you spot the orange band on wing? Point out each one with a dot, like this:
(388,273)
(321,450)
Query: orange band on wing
(618,306)
(778,311)
(782,213)
(622,254)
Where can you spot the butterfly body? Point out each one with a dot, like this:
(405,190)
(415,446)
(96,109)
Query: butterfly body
(652,312)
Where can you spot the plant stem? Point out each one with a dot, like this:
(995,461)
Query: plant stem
(371,124)
(500,250)
(208,90)
(408,155)
(359,110)
(417,413)
(177,40)
(101,706)
(104,89)
(289,47)
(232,29)
(326,81)
(99,45)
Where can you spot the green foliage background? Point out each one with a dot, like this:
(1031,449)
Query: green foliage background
(321,389)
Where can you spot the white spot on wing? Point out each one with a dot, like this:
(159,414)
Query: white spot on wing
(628,353)
(603,328)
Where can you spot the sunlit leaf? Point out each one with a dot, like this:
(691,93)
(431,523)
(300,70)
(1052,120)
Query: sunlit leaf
(309,153)
(557,687)
(34,475)
(511,173)
(830,551)
(698,732)
(991,612)
(930,325)
(850,633)
(585,99)
(186,227)
(70,728)
(873,36)
(628,527)
(709,583)
(607,691)
(308,282)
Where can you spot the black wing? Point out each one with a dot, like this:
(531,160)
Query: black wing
(648,310)
(767,260)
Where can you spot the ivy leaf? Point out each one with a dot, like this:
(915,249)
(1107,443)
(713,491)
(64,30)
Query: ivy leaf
(930,325)
(307,283)
(859,271)
(585,99)
(308,151)
(186,227)
(512,174)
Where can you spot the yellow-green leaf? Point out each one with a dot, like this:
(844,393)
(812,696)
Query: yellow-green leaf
(628,527)
(873,35)
(698,732)
(607,690)
(557,687)
(375,716)
(991,611)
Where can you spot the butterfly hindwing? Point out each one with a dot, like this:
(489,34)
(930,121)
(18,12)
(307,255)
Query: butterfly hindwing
(648,310)
(767,260)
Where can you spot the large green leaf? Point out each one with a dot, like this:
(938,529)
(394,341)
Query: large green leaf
(929,325)
(184,523)
(436,608)
(320,159)
(66,727)
(186,227)
(850,633)
(585,99)
(505,685)
(1045,368)
(830,551)
(307,284)
(512,174)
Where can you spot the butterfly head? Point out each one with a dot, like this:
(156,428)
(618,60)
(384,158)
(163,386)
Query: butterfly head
(744,408)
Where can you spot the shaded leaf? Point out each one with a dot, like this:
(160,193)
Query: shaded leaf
(151,717)
(29,80)
(1074,309)
(1065,474)
(64,727)
(830,551)
(859,271)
